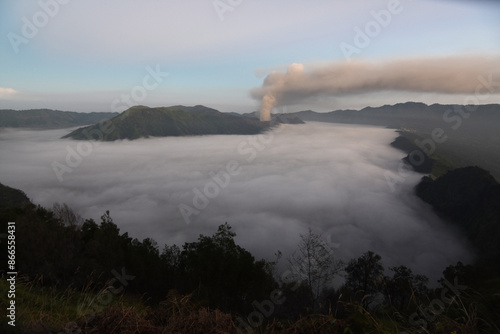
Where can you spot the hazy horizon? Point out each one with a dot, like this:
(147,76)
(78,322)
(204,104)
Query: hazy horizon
(275,110)
(54,58)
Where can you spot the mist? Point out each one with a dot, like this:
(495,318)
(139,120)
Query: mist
(444,75)
(329,177)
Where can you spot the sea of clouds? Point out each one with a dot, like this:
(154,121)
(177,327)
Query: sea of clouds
(270,188)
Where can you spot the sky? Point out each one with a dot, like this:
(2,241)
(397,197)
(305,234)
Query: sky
(344,181)
(107,55)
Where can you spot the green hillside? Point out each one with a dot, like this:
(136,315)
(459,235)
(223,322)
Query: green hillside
(143,122)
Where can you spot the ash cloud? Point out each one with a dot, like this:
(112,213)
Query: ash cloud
(326,176)
(446,75)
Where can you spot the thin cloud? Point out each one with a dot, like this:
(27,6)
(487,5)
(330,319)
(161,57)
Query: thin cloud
(7,92)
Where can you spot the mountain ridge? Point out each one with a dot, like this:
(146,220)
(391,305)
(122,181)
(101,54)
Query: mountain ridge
(49,118)
(400,114)
(143,122)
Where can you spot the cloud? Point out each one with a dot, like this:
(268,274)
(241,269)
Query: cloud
(6,92)
(446,75)
(325,176)
(153,26)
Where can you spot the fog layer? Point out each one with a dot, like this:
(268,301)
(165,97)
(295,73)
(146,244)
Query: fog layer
(270,188)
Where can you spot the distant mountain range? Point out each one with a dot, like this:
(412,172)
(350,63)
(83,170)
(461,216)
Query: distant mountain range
(402,114)
(49,119)
(143,122)
(409,114)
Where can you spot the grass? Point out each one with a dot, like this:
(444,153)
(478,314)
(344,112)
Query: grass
(51,310)
(445,160)
(442,165)
(41,309)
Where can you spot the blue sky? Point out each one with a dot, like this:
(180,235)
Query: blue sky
(86,54)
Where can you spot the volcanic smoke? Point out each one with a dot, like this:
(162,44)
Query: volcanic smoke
(266,106)
(446,75)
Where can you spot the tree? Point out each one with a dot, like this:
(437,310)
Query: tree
(364,276)
(466,274)
(49,249)
(404,286)
(103,248)
(314,263)
(171,256)
(223,273)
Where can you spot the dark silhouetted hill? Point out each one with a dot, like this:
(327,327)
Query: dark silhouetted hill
(469,197)
(416,158)
(10,197)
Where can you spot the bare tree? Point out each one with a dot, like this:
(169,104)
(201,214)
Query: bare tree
(66,215)
(314,263)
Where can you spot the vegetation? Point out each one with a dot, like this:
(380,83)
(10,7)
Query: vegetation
(315,264)
(363,277)
(470,198)
(80,276)
(10,197)
(141,121)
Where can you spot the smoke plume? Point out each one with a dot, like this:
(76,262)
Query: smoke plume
(276,83)
(448,75)
(265,109)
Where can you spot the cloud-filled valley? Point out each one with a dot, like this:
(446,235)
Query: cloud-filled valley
(326,176)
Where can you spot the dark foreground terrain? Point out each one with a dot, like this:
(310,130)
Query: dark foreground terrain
(82,276)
